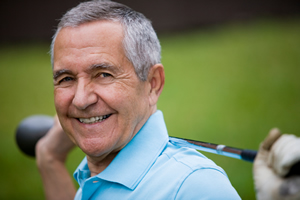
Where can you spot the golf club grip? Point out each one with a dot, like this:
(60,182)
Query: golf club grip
(248,155)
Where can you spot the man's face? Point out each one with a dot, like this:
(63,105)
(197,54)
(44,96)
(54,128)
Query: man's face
(99,99)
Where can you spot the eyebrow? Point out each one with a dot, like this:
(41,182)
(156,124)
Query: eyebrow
(101,66)
(61,72)
(92,68)
(112,68)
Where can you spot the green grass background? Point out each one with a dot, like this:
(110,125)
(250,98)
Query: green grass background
(228,84)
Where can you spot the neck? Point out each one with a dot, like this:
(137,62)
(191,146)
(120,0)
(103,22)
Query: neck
(96,166)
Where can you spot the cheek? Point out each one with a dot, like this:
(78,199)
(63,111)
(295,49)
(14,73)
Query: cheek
(62,98)
(123,98)
(130,101)
(114,95)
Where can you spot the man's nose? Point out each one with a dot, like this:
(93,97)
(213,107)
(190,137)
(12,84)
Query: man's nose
(84,96)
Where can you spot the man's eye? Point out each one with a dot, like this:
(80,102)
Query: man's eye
(103,75)
(66,79)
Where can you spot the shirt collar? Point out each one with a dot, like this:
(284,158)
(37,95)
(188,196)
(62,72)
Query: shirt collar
(135,159)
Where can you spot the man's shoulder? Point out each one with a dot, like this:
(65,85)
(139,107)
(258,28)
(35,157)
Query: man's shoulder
(190,158)
(192,174)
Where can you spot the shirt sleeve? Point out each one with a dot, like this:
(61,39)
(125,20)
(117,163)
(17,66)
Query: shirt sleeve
(208,184)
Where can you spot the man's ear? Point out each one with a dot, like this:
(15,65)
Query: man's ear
(156,78)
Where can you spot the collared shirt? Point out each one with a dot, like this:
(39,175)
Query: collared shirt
(150,167)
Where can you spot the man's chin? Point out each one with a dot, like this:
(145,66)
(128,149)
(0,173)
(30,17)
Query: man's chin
(94,149)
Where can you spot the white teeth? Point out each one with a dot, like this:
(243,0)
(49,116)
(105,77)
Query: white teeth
(92,119)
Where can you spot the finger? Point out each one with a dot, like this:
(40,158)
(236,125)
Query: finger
(285,153)
(290,188)
(273,135)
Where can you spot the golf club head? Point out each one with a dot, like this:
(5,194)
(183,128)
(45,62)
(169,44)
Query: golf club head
(30,130)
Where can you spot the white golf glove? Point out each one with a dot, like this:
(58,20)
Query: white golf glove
(276,157)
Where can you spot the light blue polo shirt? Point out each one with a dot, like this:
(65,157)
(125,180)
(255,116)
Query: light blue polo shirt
(150,167)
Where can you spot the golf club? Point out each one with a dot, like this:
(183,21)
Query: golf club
(242,154)
(32,128)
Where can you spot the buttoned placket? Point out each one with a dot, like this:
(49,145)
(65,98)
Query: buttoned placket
(90,186)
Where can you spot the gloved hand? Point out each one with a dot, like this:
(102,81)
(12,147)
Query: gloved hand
(276,157)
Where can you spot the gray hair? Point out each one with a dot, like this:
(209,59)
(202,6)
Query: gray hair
(141,45)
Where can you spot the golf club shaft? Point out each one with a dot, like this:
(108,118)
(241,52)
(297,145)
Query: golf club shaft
(242,154)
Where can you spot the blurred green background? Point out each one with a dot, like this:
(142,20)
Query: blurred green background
(226,84)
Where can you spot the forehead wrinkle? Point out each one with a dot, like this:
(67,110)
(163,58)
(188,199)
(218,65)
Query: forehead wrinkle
(90,43)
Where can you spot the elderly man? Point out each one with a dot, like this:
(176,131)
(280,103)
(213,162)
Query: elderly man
(107,80)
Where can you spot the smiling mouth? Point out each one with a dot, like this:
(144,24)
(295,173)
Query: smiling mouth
(93,120)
